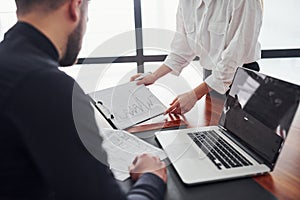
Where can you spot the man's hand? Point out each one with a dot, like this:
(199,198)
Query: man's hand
(147,163)
(183,103)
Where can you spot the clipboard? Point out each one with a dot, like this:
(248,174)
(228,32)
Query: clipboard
(126,105)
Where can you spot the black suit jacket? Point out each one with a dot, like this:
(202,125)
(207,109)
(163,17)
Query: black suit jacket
(41,153)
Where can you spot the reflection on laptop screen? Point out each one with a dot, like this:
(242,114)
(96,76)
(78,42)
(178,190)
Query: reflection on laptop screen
(259,111)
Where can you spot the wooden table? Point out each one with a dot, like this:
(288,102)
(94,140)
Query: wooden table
(284,181)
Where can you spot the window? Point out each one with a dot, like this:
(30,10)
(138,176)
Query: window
(7,16)
(281,28)
(112,35)
(159,25)
(110,29)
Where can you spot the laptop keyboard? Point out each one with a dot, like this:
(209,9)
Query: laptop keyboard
(218,150)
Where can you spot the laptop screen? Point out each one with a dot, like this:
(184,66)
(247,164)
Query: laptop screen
(259,111)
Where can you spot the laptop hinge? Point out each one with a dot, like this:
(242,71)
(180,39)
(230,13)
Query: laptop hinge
(238,142)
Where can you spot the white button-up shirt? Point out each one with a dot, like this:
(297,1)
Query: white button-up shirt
(223,33)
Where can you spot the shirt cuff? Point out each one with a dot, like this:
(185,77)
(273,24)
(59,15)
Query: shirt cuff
(217,85)
(175,63)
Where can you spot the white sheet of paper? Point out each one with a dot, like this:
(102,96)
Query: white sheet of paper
(122,147)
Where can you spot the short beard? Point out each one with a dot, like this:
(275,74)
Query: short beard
(73,46)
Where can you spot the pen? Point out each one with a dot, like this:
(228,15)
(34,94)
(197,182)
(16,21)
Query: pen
(142,76)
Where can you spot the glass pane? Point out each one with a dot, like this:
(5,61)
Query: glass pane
(287,69)
(7,16)
(110,29)
(159,24)
(159,14)
(281,28)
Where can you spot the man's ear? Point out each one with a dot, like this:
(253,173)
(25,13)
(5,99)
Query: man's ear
(75,9)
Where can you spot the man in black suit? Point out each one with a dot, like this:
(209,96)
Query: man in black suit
(42,156)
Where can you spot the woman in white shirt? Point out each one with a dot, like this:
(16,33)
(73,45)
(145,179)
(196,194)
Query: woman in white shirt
(223,34)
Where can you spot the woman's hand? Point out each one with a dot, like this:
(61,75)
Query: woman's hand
(152,77)
(183,103)
(147,80)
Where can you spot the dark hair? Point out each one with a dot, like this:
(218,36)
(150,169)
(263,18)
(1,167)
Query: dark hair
(25,6)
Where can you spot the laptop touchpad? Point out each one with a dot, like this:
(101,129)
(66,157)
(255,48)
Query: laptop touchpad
(183,151)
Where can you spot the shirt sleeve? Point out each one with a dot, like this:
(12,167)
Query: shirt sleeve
(181,53)
(67,149)
(242,44)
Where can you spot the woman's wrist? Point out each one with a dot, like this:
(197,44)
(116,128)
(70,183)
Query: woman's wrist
(201,90)
(161,71)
